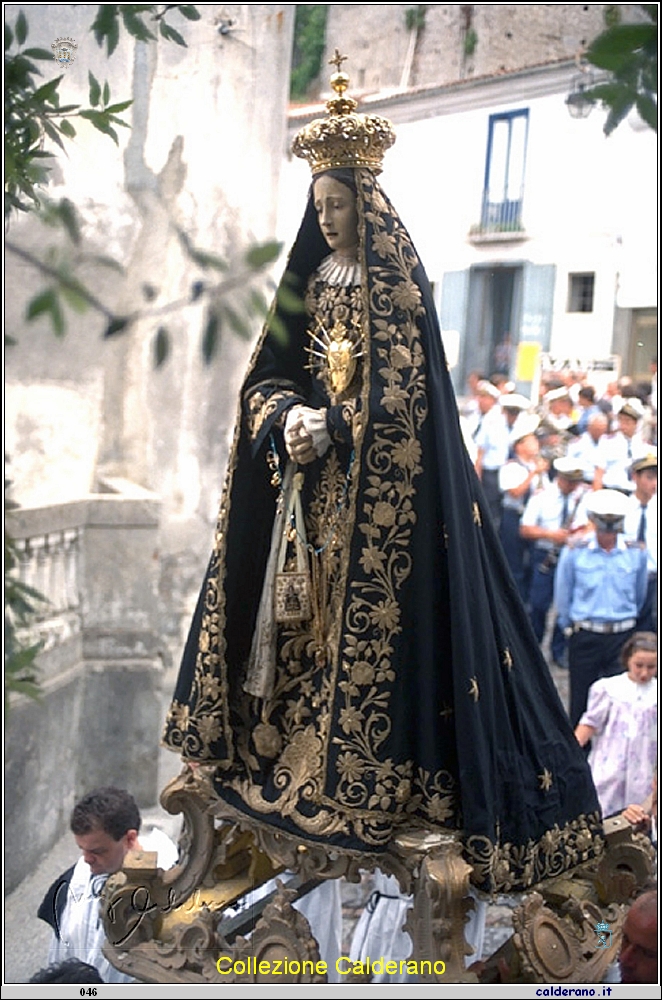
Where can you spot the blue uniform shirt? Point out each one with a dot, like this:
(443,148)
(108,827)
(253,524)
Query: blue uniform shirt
(598,586)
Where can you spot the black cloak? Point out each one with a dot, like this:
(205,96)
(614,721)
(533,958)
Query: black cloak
(431,705)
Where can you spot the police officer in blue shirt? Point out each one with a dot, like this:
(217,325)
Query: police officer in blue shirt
(599,590)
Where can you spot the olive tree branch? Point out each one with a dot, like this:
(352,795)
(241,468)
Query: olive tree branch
(52,272)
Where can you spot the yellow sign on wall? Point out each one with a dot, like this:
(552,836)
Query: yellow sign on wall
(528,359)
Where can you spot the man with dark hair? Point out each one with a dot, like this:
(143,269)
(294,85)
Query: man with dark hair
(71,971)
(105,824)
(588,408)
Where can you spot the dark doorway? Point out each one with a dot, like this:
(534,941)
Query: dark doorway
(493,320)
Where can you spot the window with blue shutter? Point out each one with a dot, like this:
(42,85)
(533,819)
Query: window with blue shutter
(504,172)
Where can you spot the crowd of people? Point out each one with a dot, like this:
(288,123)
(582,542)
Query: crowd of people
(538,465)
(572,486)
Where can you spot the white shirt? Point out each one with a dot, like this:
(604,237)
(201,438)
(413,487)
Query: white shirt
(469,442)
(380,930)
(81,928)
(512,475)
(587,452)
(616,455)
(491,439)
(631,529)
(545,510)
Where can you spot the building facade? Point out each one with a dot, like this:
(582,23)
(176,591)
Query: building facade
(538,232)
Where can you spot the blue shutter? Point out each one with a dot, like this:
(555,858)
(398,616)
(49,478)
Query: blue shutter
(537,303)
(453,315)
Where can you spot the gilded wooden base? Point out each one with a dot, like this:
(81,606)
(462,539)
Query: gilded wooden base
(175,927)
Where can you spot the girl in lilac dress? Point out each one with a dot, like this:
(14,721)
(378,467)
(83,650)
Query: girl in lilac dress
(621,723)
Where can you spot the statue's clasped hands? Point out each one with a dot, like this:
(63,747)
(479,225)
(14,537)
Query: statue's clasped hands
(306,436)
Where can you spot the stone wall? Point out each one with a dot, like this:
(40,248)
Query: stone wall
(97,720)
(456,40)
(203,157)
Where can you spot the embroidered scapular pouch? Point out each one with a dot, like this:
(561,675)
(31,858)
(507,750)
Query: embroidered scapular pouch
(292,589)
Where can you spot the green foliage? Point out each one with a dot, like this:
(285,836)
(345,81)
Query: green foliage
(612,15)
(111,18)
(33,112)
(415,17)
(309,42)
(628,53)
(470,43)
(35,116)
(262,254)
(21,605)
(289,301)
(221,313)
(203,258)
(102,114)
(59,265)
(233,302)
(47,302)
(211,335)
(161,346)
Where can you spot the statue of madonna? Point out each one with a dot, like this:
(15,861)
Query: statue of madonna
(359,661)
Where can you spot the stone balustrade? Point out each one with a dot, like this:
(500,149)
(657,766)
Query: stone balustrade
(95,560)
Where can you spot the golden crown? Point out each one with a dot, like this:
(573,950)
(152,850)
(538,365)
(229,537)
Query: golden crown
(344,138)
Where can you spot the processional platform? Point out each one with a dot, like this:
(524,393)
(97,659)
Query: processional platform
(183,925)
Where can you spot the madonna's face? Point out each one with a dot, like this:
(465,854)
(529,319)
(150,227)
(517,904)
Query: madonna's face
(338,219)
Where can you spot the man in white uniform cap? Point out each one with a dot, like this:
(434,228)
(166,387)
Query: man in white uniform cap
(600,588)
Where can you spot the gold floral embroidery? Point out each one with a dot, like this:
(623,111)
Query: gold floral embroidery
(505,867)
(386,520)
(339,711)
(263,400)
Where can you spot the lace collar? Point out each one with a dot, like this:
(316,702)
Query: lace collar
(338,270)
